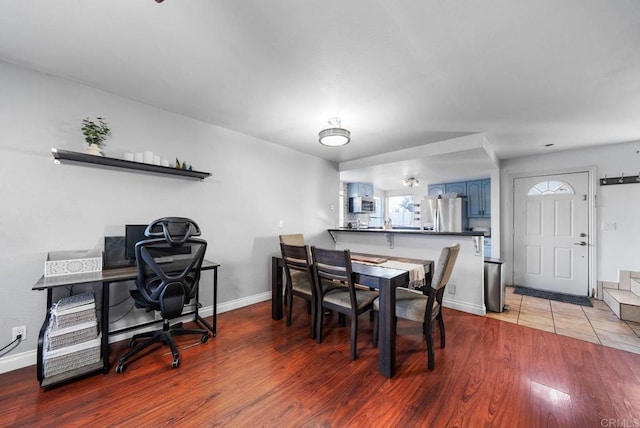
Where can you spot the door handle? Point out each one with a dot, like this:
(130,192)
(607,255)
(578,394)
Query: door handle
(581,243)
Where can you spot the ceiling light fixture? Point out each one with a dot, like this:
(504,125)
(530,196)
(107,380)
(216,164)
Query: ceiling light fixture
(412,181)
(334,136)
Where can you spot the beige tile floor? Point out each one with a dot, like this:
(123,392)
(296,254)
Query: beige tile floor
(597,324)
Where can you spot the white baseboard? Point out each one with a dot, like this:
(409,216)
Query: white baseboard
(29,358)
(18,361)
(464,307)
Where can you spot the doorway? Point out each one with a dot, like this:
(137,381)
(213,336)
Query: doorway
(551,232)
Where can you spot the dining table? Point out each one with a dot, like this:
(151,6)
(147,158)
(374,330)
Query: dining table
(372,275)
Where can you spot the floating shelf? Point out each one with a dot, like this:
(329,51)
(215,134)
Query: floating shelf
(65,155)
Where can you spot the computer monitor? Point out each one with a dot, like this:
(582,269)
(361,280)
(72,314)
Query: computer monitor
(134,233)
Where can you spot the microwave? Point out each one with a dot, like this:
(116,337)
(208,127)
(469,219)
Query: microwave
(361,204)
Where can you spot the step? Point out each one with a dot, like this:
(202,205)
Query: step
(624,303)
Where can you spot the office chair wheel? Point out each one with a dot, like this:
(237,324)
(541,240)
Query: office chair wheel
(204,338)
(121,368)
(175,363)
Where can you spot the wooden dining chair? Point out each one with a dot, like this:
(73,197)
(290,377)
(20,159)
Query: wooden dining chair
(297,267)
(426,309)
(333,266)
(293,239)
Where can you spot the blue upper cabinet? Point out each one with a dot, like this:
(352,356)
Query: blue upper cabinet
(440,189)
(359,189)
(479,198)
(460,188)
(435,189)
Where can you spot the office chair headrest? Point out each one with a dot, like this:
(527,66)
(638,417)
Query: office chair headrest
(175,230)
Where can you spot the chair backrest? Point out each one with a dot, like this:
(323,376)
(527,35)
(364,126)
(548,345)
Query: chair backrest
(444,267)
(169,266)
(296,258)
(333,265)
(441,277)
(292,239)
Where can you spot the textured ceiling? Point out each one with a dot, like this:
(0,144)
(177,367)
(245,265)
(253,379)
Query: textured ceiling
(400,74)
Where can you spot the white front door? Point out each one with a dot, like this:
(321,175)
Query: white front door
(551,233)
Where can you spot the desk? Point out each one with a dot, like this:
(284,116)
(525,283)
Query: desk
(383,279)
(106,277)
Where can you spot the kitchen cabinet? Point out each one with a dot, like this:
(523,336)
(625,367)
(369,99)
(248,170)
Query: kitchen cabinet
(479,198)
(478,193)
(359,189)
(435,189)
(459,187)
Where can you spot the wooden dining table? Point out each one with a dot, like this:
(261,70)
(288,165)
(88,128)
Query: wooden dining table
(385,280)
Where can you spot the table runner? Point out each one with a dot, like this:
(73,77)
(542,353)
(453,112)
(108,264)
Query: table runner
(416,271)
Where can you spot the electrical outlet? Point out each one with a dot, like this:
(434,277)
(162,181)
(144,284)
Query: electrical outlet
(451,289)
(22,331)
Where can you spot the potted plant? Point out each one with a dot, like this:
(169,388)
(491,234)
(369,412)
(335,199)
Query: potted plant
(95,132)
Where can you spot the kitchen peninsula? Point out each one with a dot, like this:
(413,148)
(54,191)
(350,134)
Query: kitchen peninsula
(465,291)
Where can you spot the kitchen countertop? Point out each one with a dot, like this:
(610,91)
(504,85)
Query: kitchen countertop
(406,231)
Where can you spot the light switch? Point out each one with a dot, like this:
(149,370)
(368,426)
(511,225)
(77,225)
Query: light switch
(608,226)
(281,224)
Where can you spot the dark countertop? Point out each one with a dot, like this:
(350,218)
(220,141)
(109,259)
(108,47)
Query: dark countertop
(406,232)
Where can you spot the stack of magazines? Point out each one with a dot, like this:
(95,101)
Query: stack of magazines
(72,339)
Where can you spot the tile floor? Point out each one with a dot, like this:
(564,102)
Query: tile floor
(597,324)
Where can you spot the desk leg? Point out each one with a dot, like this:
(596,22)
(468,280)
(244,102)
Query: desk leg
(106,362)
(201,320)
(276,288)
(387,342)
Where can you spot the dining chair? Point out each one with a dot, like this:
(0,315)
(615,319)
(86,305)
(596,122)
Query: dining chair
(426,309)
(294,239)
(334,266)
(297,267)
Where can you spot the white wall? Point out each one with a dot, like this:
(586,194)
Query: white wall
(620,204)
(46,207)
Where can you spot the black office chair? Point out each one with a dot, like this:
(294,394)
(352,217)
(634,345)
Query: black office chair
(168,274)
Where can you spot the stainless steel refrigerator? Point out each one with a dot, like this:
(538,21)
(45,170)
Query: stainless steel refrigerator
(445,214)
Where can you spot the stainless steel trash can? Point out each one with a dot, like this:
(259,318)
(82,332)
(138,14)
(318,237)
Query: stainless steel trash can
(494,288)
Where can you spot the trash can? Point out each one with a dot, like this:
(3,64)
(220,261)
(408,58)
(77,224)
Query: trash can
(493,284)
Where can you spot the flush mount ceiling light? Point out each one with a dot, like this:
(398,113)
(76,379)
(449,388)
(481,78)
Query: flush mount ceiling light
(411,181)
(334,136)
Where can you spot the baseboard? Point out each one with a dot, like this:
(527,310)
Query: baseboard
(464,307)
(29,358)
(18,361)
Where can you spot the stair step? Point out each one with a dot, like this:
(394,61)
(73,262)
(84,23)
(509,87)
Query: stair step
(624,303)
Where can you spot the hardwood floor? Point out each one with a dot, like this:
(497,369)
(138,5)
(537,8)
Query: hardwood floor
(258,372)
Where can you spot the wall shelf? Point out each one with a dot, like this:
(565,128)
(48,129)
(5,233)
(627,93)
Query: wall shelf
(631,179)
(104,161)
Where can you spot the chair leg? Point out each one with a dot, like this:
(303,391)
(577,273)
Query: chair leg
(157,337)
(289,304)
(308,306)
(314,309)
(441,326)
(354,336)
(342,320)
(376,326)
(430,354)
(319,322)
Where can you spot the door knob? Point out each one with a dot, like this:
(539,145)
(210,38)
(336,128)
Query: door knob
(581,243)
(583,235)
